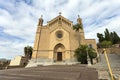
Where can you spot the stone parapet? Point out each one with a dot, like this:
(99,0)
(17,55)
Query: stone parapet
(110,50)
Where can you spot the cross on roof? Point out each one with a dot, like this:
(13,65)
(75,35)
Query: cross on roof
(60,13)
(41,16)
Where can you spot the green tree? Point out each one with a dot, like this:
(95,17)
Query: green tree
(92,54)
(107,35)
(106,44)
(77,27)
(112,37)
(116,38)
(100,37)
(108,39)
(28,52)
(81,53)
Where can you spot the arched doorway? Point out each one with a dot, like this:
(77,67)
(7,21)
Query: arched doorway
(59,50)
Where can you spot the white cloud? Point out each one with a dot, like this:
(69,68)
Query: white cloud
(18,20)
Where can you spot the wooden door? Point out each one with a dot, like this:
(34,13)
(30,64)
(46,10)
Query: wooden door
(59,56)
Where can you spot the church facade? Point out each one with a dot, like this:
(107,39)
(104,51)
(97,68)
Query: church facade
(56,41)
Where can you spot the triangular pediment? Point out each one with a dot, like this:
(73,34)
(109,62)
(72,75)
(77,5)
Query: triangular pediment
(54,20)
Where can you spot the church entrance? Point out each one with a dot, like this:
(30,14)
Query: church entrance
(59,51)
(59,56)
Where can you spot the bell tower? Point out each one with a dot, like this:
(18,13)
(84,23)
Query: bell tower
(37,38)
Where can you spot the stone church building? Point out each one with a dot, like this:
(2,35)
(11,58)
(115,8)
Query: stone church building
(56,41)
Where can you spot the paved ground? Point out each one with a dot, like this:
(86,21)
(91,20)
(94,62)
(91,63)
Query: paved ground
(57,72)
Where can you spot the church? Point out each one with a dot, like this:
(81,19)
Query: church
(56,41)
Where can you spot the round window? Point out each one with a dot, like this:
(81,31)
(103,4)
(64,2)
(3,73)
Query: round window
(59,34)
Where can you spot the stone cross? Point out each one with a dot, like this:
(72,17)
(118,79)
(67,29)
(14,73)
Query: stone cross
(60,13)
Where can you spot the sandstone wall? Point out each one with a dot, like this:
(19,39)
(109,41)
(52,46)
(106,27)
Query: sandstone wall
(110,50)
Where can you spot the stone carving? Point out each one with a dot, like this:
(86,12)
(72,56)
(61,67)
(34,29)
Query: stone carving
(79,20)
(40,23)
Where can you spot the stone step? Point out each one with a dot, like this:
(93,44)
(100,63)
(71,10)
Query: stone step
(57,72)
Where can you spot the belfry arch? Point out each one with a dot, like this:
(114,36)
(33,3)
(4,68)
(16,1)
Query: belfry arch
(59,52)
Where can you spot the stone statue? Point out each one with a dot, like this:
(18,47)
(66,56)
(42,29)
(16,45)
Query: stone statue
(40,23)
(79,20)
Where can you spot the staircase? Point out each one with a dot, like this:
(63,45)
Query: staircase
(114,60)
(102,67)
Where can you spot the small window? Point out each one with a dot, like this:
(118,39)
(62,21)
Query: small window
(59,34)
(59,18)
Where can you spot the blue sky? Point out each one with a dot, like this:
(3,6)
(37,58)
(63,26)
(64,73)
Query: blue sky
(19,18)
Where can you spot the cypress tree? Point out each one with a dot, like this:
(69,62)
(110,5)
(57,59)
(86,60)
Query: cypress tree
(107,35)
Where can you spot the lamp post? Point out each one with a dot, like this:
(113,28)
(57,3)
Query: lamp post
(88,58)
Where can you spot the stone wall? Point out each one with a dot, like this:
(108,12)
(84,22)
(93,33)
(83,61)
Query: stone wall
(91,42)
(110,50)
